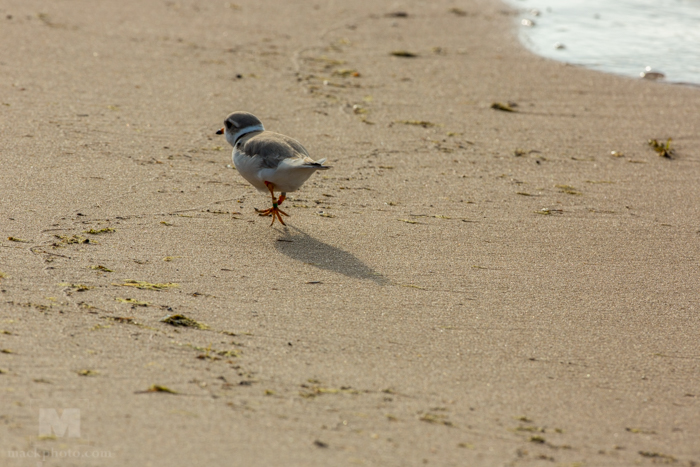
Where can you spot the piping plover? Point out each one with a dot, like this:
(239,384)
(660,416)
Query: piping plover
(268,161)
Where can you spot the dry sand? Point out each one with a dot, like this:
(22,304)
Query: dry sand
(435,315)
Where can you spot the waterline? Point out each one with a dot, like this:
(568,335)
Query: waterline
(626,37)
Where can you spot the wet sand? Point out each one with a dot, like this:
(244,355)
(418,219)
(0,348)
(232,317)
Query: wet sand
(466,286)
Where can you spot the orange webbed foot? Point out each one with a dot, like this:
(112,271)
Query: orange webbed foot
(274,211)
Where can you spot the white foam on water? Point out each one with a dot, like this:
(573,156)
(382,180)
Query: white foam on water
(626,37)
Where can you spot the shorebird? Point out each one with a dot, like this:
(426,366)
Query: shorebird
(268,161)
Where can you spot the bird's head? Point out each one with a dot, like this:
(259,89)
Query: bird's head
(238,124)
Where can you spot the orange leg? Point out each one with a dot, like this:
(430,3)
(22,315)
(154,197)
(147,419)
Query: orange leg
(274,211)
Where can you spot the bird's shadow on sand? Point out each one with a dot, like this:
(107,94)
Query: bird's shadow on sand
(302,247)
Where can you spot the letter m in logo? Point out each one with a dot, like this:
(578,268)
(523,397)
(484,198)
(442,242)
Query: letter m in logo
(50,423)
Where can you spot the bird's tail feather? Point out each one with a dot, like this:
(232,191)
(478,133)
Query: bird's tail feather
(318,164)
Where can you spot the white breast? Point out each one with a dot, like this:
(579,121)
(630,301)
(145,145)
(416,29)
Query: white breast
(249,168)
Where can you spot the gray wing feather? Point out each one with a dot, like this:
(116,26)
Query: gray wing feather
(273,148)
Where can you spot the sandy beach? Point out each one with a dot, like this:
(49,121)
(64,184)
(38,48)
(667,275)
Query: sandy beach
(466,285)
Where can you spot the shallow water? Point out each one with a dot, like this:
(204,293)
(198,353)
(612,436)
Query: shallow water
(626,37)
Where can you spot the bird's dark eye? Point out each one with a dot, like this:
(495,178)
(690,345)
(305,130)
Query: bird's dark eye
(227,124)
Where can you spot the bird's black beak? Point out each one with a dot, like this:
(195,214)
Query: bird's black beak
(220,132)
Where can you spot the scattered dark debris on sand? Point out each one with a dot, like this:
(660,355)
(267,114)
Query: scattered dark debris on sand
(100,231)
(315,390)
(663,150)
(76,287)
(147,285)
(509,107)
(423,123)
(436,419)
(157,388)
(184,321)
(403,54)
(663,458)
(568,189)
(132,301)
(70,240)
